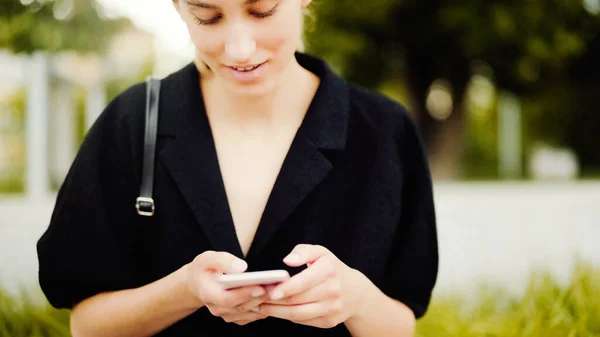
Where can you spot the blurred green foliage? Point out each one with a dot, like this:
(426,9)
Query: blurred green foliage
(13,109)
(525,43)
(12,185)
(24,316)
(547,309)
(546,52)
(55,25)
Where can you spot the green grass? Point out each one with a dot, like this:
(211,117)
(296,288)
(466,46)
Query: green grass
(12,186)
(24,316)
(547,309)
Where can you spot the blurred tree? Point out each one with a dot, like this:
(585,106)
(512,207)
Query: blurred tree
(528,46)
(581,107)
(12,159)
(55,25)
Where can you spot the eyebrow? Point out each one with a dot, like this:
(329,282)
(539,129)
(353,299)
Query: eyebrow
(200,4)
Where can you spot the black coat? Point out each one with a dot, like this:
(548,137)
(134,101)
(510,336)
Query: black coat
(355,180)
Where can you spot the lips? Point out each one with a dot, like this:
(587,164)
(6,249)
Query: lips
(246,68)
(247,73)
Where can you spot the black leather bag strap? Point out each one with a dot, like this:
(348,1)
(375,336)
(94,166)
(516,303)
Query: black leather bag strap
(145,203)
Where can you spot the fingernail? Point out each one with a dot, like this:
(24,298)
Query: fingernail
(255,310)
(239,266)
(258,292)
(292,258)
(277,295)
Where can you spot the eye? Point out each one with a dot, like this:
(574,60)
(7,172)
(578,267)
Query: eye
(262,15)
(202,22)
(256,14)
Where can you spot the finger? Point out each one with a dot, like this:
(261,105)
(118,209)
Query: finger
(322,270)
(222,262)
(248,322)
(330,289)
(245,317)
(253,303)
(296,313)
(218,311)
(304,254)
(212,264)
(323,322)
(270,287)
(233,297)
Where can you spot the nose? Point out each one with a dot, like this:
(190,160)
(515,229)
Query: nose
(240,46)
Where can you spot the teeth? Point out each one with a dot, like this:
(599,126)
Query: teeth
(245,69)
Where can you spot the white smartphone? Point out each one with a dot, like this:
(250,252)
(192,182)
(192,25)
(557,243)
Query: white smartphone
(230,281)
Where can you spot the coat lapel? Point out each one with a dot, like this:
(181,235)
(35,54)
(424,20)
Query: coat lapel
(303,169)
(324,129)
(192,161)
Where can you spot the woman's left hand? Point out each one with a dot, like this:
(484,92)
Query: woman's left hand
(323,295)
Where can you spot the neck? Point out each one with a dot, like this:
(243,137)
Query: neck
(263,110)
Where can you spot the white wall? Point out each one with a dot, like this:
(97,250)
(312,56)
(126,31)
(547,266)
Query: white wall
(496,232)
(502,232)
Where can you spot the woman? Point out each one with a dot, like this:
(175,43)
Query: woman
(265,160)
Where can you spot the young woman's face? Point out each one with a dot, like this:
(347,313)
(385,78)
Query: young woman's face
(246,43)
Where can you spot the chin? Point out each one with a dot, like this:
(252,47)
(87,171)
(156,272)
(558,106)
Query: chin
(262,86)
(258,89)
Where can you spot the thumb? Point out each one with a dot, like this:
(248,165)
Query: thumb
(305,254)
(223,262)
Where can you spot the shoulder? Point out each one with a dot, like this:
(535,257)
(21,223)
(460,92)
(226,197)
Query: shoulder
(118,130)
(387,125)
(380,112)
(128,107)
(131,96)
(124,108)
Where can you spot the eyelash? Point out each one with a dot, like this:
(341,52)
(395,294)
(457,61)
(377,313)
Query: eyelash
(217,18)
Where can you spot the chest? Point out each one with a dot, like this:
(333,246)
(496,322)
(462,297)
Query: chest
(238,197)
(249,169)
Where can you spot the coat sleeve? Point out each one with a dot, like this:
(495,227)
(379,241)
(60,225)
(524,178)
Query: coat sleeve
(413,263)
(89,245)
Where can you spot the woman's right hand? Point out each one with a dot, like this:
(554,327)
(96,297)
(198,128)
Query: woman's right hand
(234,305)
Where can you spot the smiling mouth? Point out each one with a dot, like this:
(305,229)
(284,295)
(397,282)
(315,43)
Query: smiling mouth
(246,69)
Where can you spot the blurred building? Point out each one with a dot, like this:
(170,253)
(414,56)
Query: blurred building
(12,146)
(57,92)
